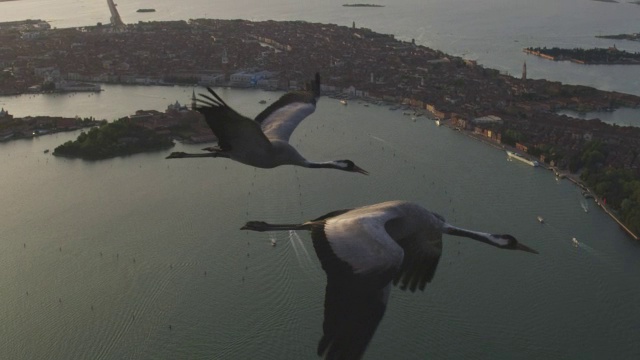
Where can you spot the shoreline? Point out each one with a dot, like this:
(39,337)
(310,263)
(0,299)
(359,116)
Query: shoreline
(521,106)
(566,175)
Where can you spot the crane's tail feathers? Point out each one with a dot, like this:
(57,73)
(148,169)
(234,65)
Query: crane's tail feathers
(263,226)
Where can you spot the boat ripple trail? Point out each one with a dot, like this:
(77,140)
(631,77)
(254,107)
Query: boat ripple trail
(298,247)
(380,139)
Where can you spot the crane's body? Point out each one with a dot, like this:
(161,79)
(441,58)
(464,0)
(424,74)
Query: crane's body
(263,142)
(364,251)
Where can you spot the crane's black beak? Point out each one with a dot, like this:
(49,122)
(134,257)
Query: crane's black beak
(524,247)
(360,170)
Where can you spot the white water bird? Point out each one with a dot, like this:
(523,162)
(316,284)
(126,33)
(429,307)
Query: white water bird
(263,142)
(363,251)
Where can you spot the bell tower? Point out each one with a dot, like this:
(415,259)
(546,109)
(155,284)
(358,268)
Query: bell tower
(225,64)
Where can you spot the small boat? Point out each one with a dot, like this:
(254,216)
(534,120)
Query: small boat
(46,151)
(262,101)
(343,102)
(540,219)
(438,122)
(273,242)
(145,10)
(575,242)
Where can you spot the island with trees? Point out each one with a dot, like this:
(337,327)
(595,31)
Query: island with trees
(118,138)
(14,128)
(601,56)
(630,37)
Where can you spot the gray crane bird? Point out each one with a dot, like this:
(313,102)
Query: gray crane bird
(263,142)
(366,249)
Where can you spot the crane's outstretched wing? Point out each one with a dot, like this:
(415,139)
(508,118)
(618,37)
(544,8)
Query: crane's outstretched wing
(280,119)
(421,256)
(233,130)
(360,260)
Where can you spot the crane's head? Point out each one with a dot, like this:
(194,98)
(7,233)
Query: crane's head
(348,165)
(508,242)
(344,165)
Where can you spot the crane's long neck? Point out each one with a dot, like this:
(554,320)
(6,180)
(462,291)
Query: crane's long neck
(475,235)
(325,165)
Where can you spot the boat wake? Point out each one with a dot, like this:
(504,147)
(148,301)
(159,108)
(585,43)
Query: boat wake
(380,139)
(585,205)
(298,247)
(595,254)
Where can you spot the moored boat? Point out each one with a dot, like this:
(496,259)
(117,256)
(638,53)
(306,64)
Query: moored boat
(514,155)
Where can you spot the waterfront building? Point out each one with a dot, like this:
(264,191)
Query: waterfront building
(489,119)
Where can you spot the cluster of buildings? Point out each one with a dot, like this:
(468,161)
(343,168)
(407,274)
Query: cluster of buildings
(178,121)
(355,62)
(17,128)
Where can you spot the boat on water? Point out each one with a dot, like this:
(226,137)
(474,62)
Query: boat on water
(273,242)
(438,123)
(146,10)
(575,242)
(343,102)
(262,101)
(540,219)
(46,151)
(515,155)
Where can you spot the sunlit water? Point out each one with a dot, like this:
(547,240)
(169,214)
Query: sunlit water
(141,257)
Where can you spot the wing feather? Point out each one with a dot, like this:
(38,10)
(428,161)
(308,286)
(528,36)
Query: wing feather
(360,260)
(233,130)
(421,256)
(280,119)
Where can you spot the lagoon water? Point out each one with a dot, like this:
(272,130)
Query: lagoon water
(141,258)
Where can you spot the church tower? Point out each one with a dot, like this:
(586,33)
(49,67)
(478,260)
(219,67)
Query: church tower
(116,22)
(225,64)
